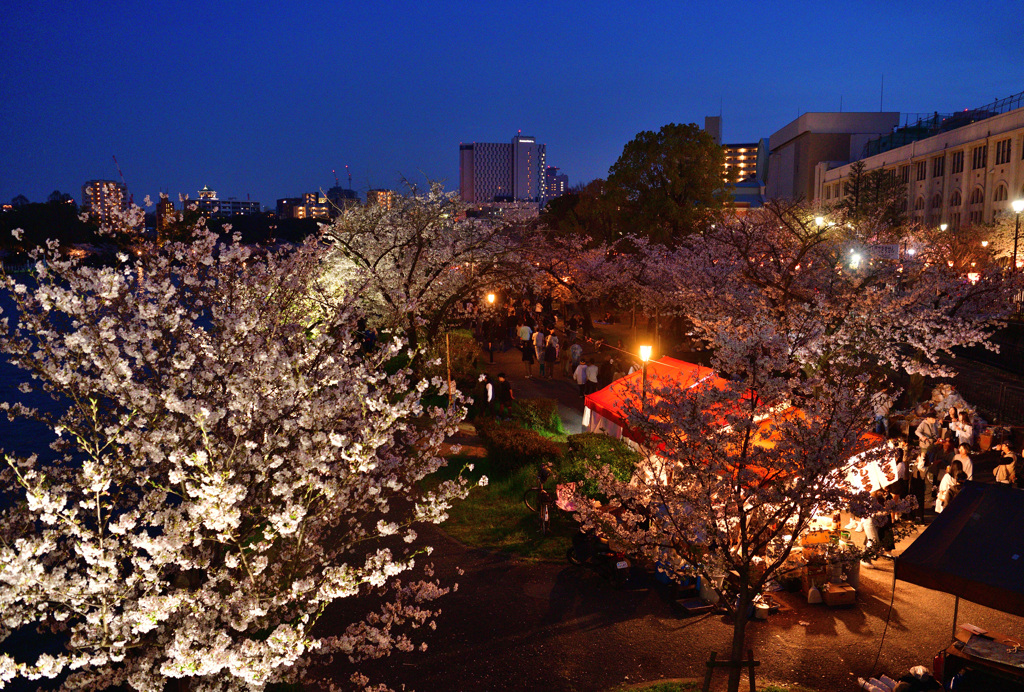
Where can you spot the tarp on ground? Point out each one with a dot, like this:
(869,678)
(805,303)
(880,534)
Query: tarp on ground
(974,549)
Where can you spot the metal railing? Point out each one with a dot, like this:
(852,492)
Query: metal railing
(917,126)
(1003,401)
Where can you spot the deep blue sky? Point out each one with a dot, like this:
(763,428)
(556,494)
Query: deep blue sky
(265,100)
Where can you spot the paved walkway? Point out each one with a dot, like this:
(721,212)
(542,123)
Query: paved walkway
(515,625)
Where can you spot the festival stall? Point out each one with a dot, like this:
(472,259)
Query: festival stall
(814,564)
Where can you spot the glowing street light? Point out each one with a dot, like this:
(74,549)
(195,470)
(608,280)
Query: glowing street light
(984,243)
(490,299)
(943,226)
(819,221)
(645,355)
(1018,207)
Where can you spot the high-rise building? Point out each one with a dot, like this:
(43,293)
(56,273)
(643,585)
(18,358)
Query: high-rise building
(101,197)
(513,172)
(556,184)
(380,198)
(165,213)
(742,161)
(209,205)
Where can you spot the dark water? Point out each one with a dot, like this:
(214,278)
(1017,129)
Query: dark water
(22,438)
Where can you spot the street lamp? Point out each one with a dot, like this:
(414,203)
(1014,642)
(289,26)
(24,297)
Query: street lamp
(645,355)
(819,221)
(943,227)
(490,299)
(1018,207)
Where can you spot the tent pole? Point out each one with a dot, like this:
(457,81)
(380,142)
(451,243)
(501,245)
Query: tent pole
(956,609)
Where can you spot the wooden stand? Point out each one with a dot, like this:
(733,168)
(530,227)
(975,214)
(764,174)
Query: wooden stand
(712,664)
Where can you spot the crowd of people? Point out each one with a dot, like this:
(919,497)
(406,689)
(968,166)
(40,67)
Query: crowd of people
(943,461)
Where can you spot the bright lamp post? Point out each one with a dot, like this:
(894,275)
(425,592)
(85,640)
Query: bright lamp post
(645,355)
(1018,207)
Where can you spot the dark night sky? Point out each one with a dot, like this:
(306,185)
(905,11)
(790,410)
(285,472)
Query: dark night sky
(266,100)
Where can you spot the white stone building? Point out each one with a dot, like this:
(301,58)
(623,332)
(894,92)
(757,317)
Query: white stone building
(965,173)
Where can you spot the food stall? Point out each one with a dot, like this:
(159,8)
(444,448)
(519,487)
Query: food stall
(819,559)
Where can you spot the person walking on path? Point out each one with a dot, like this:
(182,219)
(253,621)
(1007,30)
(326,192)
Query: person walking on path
(505,396)
(550,359)
(525,334)
(592,372)
(580,376)
(529,355)
(575,355)
(538,347)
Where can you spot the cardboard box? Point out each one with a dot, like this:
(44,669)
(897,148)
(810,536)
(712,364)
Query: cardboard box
(838,594)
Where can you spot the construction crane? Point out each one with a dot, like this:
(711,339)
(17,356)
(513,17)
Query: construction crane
(131,197)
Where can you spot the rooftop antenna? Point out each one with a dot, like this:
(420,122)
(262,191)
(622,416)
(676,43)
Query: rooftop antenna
(336,181)
(349,176)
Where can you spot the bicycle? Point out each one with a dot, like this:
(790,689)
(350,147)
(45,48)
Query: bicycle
(539,500)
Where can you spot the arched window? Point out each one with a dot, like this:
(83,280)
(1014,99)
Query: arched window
(936,201)
(954,199)
(1001,193)
(977,196)
(919,204)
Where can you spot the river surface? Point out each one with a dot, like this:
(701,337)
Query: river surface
(21,437)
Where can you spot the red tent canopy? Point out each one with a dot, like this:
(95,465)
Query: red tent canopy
(613,401)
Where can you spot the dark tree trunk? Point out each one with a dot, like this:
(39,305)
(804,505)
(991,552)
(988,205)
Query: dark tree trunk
(739,634)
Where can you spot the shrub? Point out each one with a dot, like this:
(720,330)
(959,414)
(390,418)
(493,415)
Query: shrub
(463,350)
(593,451)
(538,414)
(510,446)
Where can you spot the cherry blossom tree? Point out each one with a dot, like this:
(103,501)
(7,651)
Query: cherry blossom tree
(419,258)
(806,326)
(230,462)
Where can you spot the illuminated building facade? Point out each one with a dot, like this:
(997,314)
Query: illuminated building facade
(514,172)
(101,197)
(959,168)
(743,161)
(556,184)
(380,198)
(311,205)
(209,205)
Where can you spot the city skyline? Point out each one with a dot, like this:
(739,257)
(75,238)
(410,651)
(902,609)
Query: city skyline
(264,103)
